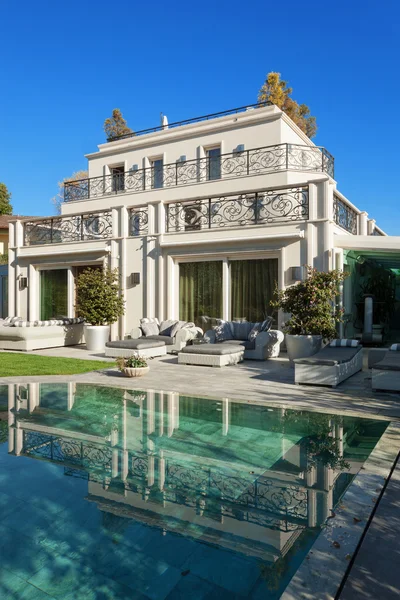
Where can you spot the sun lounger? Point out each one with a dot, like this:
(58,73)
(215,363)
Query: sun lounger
(386,373)
(338,361)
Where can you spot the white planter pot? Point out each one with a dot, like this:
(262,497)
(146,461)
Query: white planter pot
(96,337)
(301,346)
(135,372)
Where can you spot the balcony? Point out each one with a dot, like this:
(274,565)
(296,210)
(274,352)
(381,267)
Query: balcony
(74,228)
(246,163)
(344,215)
(260,208)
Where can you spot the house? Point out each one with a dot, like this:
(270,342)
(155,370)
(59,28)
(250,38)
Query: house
(202,218)
(4,225)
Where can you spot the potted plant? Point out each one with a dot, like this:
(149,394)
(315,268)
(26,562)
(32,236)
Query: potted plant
(313,311)
(99,302)
(133,366)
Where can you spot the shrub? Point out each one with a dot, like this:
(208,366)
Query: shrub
(133,362)
(97,299)
(311,304)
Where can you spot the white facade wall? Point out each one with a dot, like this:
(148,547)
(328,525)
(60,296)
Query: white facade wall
(157,253)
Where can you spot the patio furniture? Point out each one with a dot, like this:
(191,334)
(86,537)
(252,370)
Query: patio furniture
(144,347)
(386,373)
(174,334)
(260,346)
(211,355)
(17,334)
(338,361)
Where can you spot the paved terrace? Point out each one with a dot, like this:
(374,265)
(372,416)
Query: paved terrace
(374,573)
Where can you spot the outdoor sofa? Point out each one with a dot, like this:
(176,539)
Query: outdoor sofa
(17,334)
(386,372)
(337,361)
(258,340)
(154,338)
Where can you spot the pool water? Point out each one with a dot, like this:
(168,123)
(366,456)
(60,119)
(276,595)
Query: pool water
(109,494)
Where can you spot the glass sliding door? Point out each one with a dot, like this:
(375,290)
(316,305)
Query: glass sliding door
(252,288)
(53,294)
(200,292)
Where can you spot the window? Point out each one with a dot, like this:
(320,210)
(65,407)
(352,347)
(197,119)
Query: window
(214,163)
(200,292)
(157,173)
(53,293)
(118,178)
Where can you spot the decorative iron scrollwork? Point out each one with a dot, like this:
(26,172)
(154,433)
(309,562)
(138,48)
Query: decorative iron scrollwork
(138,221)
(73,228)
(344,215)
(268,159)
(269,206)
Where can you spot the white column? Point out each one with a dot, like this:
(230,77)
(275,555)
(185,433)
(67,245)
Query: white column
(339,266)
(11,283)
(71,395)
(161,292)
(371,226)
(114,263)
(71,292)
(173,288)
(150,265)
(281,281)
(226,284)
(171,414)
(363,223)
(123,274)
(17,291)
(327,226)
(33,396)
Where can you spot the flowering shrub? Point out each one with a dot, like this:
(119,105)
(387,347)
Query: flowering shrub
(312,304)
(132,362)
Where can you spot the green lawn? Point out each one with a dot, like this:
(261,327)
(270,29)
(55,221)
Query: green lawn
(12,364)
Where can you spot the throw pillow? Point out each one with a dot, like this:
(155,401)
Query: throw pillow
(223,331)
(344,343)
(150,329)
(178,326)
(166,327)
(241,330)
(254,332)
(267,324)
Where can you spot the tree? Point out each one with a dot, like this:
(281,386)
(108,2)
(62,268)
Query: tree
(5,204)
(276,90)
(97,296)
(116,126)
(311,304)
(58,199)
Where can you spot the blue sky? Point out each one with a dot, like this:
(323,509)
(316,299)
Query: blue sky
(65,65)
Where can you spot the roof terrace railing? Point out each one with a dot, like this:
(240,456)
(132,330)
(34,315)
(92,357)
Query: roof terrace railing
(224,113)
(240,163)
(344,215)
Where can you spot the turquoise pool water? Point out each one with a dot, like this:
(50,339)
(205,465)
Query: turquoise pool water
(108,494)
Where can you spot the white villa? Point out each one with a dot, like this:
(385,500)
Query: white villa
(202,218)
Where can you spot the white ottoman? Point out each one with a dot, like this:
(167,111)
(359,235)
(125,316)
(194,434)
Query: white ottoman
(144,347)
(211,355)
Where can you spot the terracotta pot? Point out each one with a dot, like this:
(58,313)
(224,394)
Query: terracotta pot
(135,372)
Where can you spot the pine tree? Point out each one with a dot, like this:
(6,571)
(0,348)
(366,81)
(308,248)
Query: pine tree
(277,91)
(116,126)
(5,197)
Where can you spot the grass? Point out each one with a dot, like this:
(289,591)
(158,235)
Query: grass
(12,364)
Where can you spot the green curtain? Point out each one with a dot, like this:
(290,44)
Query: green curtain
(252,288)
(53,293)
(200,291)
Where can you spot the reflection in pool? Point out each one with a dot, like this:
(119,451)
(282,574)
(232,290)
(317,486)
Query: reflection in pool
(159,495)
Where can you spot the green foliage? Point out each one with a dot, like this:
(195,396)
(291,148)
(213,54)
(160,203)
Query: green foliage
(3,259)
(116,125)
(277,91)
(98,300)
(58,199)
(5,197)
(133,362)
(19,365)
(311,304)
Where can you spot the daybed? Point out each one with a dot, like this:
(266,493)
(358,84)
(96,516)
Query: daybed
(211,355)
(16,334)
(386,373)
(258,341)
(338,361)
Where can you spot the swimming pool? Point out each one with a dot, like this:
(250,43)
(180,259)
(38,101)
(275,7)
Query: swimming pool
(114,494)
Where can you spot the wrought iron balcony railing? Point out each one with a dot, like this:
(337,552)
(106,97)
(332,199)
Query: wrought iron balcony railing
(73,228)
(344,215)
(269,159)
(269,206)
